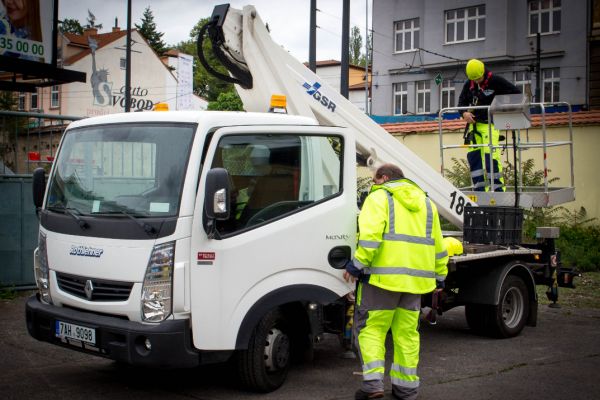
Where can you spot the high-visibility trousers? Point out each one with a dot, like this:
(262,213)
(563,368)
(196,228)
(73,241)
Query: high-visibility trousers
(480,162)
(376,312)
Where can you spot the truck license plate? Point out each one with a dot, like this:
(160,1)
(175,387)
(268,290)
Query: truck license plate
(65,330)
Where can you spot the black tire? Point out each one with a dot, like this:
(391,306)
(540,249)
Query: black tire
(263,367)
(508,318)
(476,315)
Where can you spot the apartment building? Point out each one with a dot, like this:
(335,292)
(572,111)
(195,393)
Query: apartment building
(420,48)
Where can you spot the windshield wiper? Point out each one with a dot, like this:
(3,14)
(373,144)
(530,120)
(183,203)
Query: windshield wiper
(149,229)
(70,211)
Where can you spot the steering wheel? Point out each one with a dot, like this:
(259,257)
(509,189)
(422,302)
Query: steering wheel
(273,210)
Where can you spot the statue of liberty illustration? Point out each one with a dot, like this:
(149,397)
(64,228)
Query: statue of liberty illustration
(101,88)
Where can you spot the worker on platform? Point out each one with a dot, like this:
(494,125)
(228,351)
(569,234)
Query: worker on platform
(400,256)
(480,90)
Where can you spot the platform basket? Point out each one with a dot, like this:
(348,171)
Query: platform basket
(493,225)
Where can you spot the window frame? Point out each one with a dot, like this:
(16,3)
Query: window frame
(403,94)
(554,79)
(53,103)
(426,92)
(404,31)
(274,131)
(123,63)
(465,20)
(522,83)
(21,101)
(551,10)
(448,91)
(34,95)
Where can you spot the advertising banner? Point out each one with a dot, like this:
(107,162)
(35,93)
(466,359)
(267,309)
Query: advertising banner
(26,29)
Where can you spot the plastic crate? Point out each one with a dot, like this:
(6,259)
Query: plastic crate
(493,225)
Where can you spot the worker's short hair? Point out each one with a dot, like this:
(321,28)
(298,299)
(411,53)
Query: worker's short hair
(392,171)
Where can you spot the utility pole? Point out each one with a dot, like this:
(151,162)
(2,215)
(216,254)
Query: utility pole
(367,111)
(128,60)
(312,38)
(345,48)
(538,67)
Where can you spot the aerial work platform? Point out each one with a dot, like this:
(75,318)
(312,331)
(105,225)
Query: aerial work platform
(511,116)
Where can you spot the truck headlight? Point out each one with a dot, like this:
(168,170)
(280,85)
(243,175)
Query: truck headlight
(157,292)
(41,270)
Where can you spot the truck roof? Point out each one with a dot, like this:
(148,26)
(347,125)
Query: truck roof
(210,118)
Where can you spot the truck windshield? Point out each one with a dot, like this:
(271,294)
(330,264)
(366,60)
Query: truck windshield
(135,167)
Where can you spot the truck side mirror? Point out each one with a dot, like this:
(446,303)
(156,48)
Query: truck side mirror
(217,203)
(39,186)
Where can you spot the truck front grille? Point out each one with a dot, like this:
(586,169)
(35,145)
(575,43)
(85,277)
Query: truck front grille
(97,289)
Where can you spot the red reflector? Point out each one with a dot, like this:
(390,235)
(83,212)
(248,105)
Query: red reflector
(206,256)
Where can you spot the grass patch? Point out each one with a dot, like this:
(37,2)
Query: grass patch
(8,293)
(585,295)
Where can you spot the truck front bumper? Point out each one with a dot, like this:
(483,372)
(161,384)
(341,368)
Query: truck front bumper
(117,339)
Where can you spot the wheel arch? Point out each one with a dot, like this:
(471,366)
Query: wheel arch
(484,288)
(291,297)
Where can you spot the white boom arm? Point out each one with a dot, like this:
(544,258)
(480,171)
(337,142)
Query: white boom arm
(274,71)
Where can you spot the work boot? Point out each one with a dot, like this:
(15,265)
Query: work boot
(362,395)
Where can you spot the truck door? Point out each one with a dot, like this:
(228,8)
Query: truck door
(293,200)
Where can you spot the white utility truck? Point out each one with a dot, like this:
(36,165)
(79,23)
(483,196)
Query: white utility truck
(174,239)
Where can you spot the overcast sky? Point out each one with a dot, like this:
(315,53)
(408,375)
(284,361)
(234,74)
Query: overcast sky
(288,19)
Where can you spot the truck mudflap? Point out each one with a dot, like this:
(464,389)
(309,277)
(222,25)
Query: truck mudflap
(164,345)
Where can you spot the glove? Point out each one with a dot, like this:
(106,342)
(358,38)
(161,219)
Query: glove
(440,284)
(352,270)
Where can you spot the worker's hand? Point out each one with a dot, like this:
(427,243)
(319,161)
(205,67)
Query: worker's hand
(349,278)
(469,117)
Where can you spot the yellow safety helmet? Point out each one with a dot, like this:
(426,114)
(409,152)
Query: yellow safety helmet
(475,69)
(453,246)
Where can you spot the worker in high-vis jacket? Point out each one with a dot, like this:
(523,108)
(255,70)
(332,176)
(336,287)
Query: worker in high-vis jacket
(480,90)
(400,256)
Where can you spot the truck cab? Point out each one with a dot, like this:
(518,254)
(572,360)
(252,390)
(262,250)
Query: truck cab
(179,238)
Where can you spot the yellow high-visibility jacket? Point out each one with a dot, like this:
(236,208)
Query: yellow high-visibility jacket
(400,240)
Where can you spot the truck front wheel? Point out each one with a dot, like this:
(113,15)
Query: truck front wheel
(263,367)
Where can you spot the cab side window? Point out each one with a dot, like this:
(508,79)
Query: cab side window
(275,175)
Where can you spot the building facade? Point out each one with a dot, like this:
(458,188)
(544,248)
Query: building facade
(420,49)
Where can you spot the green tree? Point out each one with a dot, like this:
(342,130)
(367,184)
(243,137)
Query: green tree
(205,85)
(356,46)
(71,25)
(91,22)
(10,128)
(150,33)
(227,101)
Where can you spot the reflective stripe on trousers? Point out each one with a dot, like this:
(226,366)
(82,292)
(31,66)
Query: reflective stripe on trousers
(377,311)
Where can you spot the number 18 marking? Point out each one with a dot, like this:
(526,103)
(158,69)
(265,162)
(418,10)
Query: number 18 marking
(461,203)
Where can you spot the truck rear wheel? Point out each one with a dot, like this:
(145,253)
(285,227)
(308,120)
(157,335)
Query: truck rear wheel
(263,367)
(510,315)
(506,319)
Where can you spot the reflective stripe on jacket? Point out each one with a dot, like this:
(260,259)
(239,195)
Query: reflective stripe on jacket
(400,240)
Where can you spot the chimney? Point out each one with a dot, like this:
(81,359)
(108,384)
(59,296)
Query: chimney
(90,32)
(116,27)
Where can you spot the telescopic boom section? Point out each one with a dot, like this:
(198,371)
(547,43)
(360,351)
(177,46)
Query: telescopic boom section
(262,68)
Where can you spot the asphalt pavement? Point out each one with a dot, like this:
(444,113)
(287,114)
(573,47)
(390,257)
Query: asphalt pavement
(558,359)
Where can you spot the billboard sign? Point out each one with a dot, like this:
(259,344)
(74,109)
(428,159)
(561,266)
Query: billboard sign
(26,29)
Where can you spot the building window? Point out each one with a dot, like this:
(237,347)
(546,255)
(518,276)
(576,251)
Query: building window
(406,35)
(523,81)
(34,100)
(423,97)
(465,24)
(123,63)
(447,94)
(54,97)
(400,98)
(21,102)
(544,16)
(551,85)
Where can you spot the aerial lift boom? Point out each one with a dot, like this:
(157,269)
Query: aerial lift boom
(260,68)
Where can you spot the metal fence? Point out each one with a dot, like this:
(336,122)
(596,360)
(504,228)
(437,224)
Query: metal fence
(27,141)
